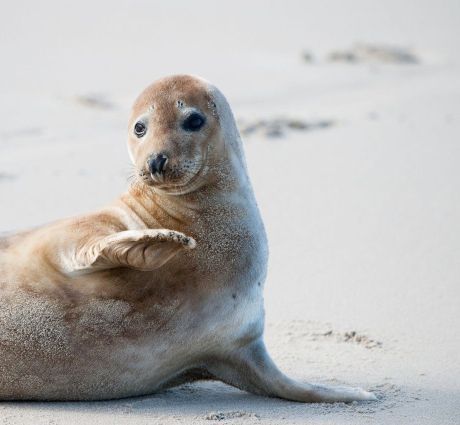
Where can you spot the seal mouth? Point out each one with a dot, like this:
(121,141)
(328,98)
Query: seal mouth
(159,181)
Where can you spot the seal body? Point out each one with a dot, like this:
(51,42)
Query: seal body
(114,334)
(160,288)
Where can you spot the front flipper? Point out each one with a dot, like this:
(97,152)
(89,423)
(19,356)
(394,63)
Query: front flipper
(137,249)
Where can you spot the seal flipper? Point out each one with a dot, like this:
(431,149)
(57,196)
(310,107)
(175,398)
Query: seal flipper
(251,369)
(137,249)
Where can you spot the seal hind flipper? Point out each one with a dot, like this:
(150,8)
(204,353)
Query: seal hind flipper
(137,249)
(251,369)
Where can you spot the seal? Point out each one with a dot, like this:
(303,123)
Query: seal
(162,287)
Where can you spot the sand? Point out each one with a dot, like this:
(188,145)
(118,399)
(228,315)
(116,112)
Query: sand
(350,114)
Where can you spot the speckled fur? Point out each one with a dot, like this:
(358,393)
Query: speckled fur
(75,327)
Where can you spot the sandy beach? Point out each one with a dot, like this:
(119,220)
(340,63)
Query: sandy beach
(350,114)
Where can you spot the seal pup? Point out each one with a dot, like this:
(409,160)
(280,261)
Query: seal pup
(162,287)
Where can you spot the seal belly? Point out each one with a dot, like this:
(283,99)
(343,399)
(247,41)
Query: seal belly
(50,352)
(105,348)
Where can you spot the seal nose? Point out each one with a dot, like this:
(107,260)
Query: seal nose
(156,163)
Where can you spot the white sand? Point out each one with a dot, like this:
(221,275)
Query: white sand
(363,217)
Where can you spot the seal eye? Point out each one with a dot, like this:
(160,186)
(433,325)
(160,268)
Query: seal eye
(193,122)
(139,129)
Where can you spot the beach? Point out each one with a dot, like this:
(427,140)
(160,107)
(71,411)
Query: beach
(350,117)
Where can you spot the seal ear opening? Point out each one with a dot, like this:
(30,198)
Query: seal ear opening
(143,250)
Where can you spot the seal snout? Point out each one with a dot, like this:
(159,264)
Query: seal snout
(157,163)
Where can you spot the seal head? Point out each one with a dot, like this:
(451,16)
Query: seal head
(173,131)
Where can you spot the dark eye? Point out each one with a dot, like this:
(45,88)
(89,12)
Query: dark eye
(139,129)
(193,122)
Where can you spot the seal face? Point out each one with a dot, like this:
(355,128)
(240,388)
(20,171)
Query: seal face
(162,287)
(170,136)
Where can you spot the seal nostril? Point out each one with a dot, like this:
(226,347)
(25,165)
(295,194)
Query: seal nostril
(162,162)
(157,163)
